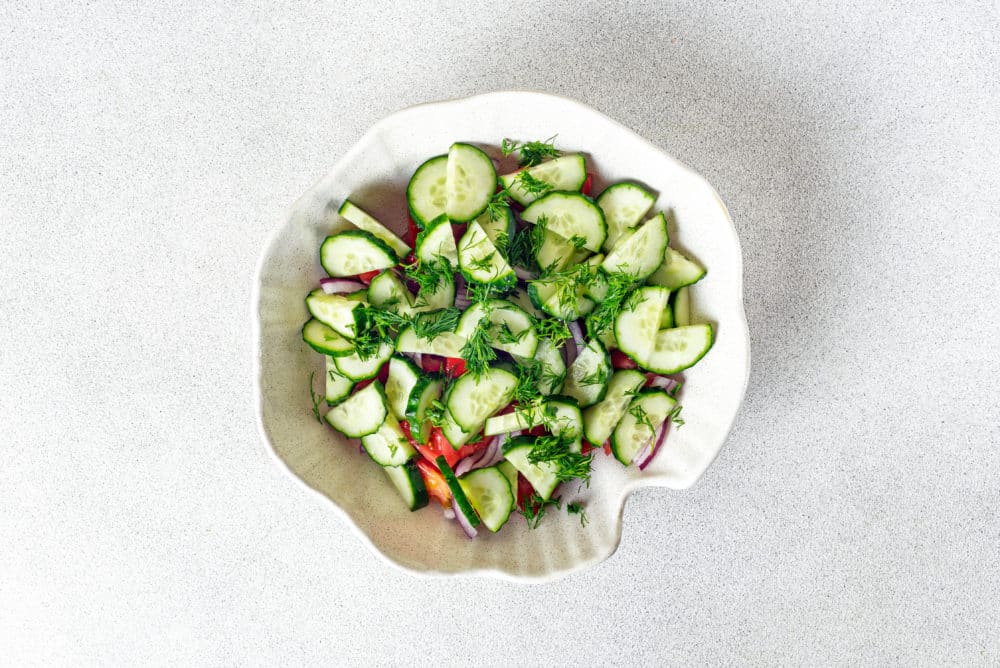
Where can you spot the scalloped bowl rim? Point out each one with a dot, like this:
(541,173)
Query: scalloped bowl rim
(626,490)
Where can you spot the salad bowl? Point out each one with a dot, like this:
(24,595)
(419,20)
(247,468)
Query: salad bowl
(374,173)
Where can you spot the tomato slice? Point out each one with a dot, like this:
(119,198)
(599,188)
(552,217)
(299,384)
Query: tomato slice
(412,231)
(367,277)
(585,188)
(454,366)
(434,481)
(620,360)
(431,363)
(362,384)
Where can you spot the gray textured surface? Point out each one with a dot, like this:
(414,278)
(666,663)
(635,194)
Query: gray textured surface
(145,156)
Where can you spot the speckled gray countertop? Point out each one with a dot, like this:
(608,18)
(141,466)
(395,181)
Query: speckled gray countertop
(145,156)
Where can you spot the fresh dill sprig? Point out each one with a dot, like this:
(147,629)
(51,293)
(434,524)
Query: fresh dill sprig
(553,329)
(430,324)
(596,377)
(316,398)
(534,508)
(532,185)
(578,241)
(499,205)
(675,416)
(529,374)
(640,415)
(551,378)
(485,263)
(577,509)
(377,327)
(620,287)
(530,153)
(480,292)
(430,276)
(477,351)
(507,336)
(555,449)
(436,413)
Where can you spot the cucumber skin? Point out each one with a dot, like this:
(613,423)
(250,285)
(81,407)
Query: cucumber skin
(417,218)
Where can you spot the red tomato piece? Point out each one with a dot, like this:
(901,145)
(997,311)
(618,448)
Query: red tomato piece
(412,231)
(435,483)
(454,366)
(585,188)
(362,384)
(367,277)
(607,448)
(620,360)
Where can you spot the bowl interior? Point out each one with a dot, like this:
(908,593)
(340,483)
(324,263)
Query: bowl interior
(374,173)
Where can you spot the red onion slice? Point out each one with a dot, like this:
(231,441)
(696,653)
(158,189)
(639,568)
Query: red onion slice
(449,513)
(488,456)
(664,383)
(652,446)
(575,344)
(417,358)
(463,521)
(525,274)
(339,286)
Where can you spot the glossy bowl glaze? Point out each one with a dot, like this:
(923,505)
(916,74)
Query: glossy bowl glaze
(374,173)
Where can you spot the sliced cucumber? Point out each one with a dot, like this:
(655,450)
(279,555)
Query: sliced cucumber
(543,476)
(641,252)
(388,292)
(490,493)
(355,252)
(426,194)
(560,297)
(567,172)
(520,297)
(424,393)
(624,205)
(667,317)
(553,367)
(437,240)
(597,288)
(454,433)
(554,253)
(510,328)
(473,398)
(325,340)
(679,348)
(676,271)
(480,260)
(636,325)
(364,221)
(508,470)
(360,414)
(457,493)
(403,377)
(335,311)
(356,368)
(563,418)
(470,182)
(644,415)
(500,230)
(588,375)
(524,418)
(681,299)
(443,296)
(388,445)
(410,484)
(600,419)
(338,387)
(571,216)
(446,344)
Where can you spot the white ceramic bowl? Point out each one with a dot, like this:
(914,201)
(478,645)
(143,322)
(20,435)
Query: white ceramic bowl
(374,173)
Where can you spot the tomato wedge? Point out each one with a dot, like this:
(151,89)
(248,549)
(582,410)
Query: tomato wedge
(434,481)
(367,277)
(454,366)
(585,188)
(412,231)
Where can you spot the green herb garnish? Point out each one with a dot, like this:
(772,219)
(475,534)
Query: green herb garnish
(534,508)
(577,509)
(530,153)
(556,449)
(316,398)
(430,324)
(532,185)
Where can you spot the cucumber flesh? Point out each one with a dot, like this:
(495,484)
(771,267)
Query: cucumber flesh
(636,325)
(632,434)
(355,252)
(356,368)
(403,377)
(388,446)
(679,348)
(470,182)
(489,491)
(676,271)
(641,252)
(410,483)
(338,386)
(588,375)
(571,216)
(445,344)
(360,414)
(325,340)
(426,193)
(335,311)
(682,307)
(624,205)
(567,172)
(480,260)
(437,240)
(388,292)
(365,221)
(510,328)
(457,493)
(543,476)
(473,398)
(600,419)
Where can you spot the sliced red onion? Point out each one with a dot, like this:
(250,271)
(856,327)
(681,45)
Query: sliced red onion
(463,521)
(417,358)
(488,456)
(515,434)
(461,301)
(652,446)
(664,383)
(339,286)
(449,513)
(525,274)
(577,332)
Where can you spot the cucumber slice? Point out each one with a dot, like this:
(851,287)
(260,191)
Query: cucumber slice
(553,367)
(490,493)
(424,393)
(567,172)
(563,418)
(426,193)
(520,297)
(457,493)
(587,377)
(360,414)
(454,433)
(500,230)
(543,476)
(667,317)
(508,470)
(597,288)
(355,252)
(600,419)
(681,299)
(554,253)
(624,205)
(480,260)
(364,221)
(338,387)
(571,216)
(632,434)
(443,296)
(325,340)
(510,328)
(446,344)
(388,292)
(676,271)
(508,422)
(437,240)
(470,182)
(335,311)
(388,445)
(560,297)
(356,368)
(636,325)
(679,348)
(410,484)
(403,377)
(641,252)
(473,398)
